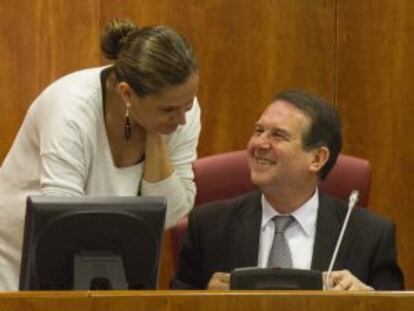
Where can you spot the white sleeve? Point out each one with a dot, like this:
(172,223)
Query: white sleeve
(65,148)
(179,188)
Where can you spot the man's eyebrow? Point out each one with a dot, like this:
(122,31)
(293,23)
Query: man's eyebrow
(281,130)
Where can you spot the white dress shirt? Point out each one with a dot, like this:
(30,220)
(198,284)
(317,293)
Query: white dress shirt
(300,235)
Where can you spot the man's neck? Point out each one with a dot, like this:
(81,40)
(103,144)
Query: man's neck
(287,200)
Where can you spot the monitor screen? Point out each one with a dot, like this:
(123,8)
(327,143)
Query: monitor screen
(89,242)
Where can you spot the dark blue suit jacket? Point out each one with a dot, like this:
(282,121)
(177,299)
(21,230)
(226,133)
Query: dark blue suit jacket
(225,235)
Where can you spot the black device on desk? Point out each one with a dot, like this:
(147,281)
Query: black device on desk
(275,278)
(87,242)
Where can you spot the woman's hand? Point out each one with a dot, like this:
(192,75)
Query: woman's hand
(157,161)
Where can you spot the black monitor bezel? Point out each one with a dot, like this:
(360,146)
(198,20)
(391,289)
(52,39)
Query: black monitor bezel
(43,210)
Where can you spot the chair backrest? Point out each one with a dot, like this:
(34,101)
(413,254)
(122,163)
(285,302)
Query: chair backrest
(349,173)
(222,176)
(227,175)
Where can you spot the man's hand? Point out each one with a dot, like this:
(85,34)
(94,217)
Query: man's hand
(345,280)
(219,281)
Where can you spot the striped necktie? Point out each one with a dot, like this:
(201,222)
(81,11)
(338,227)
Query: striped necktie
(279,255)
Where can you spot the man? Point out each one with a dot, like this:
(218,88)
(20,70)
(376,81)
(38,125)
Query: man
(294,145)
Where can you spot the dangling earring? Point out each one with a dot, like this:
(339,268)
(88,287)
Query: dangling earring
(127,128)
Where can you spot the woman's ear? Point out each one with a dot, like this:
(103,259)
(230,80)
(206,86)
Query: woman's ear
(124,91)
(320,157)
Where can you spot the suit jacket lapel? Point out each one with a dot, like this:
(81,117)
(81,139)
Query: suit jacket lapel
(331,214)
(245,234)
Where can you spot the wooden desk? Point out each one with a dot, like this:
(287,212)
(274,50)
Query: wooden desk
(206,301)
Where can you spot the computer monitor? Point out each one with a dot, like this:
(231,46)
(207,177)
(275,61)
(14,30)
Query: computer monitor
(85,243)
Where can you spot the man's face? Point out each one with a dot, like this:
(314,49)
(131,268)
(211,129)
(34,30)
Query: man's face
(276,155)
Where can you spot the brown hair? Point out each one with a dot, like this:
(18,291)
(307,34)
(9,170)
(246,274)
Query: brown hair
(325,124)
(149,59)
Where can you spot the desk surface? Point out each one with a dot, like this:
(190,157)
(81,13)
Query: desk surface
(206,300)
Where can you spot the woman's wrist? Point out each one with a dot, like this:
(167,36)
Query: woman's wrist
(157,161)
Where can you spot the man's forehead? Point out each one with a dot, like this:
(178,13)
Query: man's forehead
(281,109)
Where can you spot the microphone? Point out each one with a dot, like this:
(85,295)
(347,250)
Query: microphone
(352,201)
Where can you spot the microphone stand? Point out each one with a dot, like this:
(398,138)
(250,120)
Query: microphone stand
(353,199)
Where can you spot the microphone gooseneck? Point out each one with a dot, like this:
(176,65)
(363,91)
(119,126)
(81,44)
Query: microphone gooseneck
(352,201)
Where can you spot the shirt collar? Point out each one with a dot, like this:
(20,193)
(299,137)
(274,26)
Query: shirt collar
(305,215)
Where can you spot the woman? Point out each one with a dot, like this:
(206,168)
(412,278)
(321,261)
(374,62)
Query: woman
(130,128)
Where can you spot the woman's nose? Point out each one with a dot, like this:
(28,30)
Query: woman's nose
(180,118)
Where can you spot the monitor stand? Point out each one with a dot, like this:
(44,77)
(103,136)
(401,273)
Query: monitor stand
(99,270)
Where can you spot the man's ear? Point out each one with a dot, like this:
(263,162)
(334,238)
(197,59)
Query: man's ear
(320,157)
(124,91)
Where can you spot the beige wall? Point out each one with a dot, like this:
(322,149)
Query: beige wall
(354,53)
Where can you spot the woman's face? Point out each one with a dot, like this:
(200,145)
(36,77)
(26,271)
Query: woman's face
(164,112)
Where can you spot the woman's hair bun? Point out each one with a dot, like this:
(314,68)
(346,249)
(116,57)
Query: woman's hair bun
(115,36)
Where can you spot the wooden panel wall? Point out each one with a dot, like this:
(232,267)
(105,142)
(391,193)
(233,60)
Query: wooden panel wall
(40,41)
(354,53)
(375,92)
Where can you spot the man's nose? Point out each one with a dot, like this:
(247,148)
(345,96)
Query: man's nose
(262,140)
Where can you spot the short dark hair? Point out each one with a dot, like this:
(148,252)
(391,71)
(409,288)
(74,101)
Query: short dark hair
(324,128)
(149,59)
